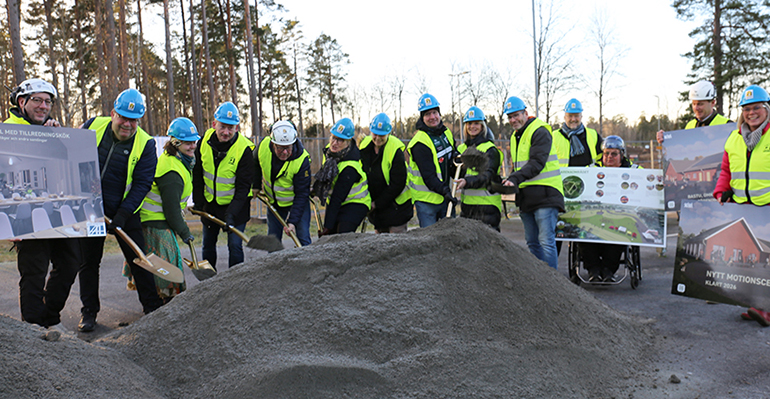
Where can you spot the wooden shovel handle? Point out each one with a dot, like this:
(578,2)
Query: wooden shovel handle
(454,187)
(274,211)
(122,234)
(221,223)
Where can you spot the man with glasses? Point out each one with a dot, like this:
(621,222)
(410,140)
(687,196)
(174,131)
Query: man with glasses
(540,198)
(222,179)
(282,172)
(41,302)
(127,162)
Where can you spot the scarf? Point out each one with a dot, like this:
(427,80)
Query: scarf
(188,162)
(325,177)
(575,146)
(751,138)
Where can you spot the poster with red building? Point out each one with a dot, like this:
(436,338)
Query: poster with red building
(723,253)
(692,159)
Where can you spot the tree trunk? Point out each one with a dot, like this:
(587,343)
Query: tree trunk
(210,77)
(299,96)
(260,116)
(52,59)
(169,66)
(111,50)
(195,84)
(717,39)
(14,23)
(230,55)
(256,122)
(99,44)
(80,54)
(145,76)
(64,105)
(123,32)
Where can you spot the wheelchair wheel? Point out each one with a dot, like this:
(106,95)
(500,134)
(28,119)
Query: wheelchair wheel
(574,263)
(634,268)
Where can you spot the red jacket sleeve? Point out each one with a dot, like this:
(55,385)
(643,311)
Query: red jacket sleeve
(723,184)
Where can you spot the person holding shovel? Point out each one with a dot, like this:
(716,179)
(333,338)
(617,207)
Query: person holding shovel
(534,155)
(745,172)
(127,162)
(382,156)
(161,211)
(342,181)
(478,202)
(282,172)
(222,179)
(431,152)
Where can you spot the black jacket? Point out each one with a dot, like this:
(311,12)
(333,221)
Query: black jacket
(301,179)
(534,197)
(386,212)
(345,181)
(423,157)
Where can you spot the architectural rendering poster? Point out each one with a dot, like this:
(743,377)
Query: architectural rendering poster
(613,206)
(49,181)
(692,160)
(723,253)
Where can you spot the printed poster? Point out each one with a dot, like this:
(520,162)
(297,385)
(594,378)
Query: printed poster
(692,163)
(613,206)
(49,183)
(723,253)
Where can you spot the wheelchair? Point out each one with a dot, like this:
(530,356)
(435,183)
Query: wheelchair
(630,258)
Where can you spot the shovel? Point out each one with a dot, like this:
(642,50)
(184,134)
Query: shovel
(152,263)
(280,219)
(201,270)
(471,158)
(265,243)
(317,218)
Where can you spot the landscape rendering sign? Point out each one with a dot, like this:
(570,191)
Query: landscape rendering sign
(613,206)
(723,253)
(49,183)
(692,161)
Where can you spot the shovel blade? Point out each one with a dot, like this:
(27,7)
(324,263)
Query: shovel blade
(161,268)
(202,270)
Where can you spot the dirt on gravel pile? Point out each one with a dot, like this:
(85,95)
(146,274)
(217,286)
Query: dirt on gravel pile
(453,310)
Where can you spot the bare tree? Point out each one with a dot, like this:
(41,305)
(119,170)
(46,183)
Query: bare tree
(608,53)
(501,83)
(397,86)
(207,57)
(169,65)
(52,58)
(145,76)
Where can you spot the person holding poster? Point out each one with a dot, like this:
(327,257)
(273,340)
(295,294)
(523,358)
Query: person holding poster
(127,162)
(745,170)
(222,179)
(161,211)
(602,260)
(41,302)
(478,202)
(702,96)
(534,154)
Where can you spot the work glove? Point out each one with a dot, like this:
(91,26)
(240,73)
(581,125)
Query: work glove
(188,240)
(229,219)
(198,207)
(326,231)
(120,218)
(451,199)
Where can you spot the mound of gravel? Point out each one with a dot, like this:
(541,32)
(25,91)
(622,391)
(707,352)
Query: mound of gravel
(39,363)
(454,310)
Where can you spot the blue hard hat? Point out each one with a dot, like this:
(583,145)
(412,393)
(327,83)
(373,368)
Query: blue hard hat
(474,113)
(426,102)
(381,124)
(573,107)
(513,104)
(130,104)
(183,129)
(227,113)
(614,142)
(753,94)
(344,129)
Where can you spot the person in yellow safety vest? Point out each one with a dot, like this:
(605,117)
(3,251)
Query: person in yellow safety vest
(534,155)
(580,145)
(744,177)
(342,180)
(702,96)
(41,302)
(282,171)
(477,202)
(127,162)
(602,260)
(161,212)
(382,157)
(222,179)
(431,169)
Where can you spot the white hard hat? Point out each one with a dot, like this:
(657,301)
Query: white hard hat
(31,86)
(283,133)
(703,90)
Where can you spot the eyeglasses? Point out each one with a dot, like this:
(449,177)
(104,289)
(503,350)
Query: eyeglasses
(281,148)
(37,101)
(612,154)
(754,108)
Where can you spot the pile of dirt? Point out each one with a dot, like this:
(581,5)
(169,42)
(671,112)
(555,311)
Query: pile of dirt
(454,310)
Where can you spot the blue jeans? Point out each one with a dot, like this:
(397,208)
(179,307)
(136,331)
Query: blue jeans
(540,233)
(428,214)
(274,227)
(234,245)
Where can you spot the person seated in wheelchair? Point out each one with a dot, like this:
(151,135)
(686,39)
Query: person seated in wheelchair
(602,260)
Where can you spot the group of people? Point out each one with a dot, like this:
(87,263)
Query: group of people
(380,179)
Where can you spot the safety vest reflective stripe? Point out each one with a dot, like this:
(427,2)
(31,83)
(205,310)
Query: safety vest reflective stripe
(219,180)
(550,174)
(481,196)
(416,183)
(152,208)
(749,173)
(141,138)
(718,120)
(359,193)
(520,164)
